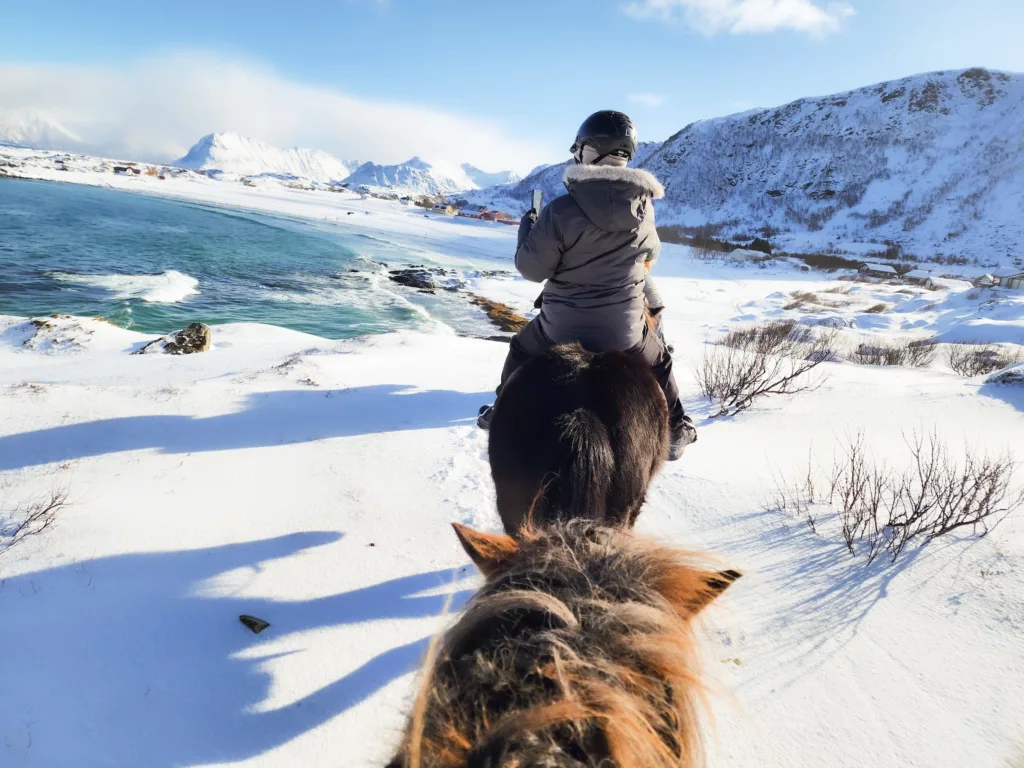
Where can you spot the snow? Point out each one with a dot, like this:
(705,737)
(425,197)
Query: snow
(310,483)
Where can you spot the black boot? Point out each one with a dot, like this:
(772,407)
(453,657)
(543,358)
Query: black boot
(682,434)
(483,417)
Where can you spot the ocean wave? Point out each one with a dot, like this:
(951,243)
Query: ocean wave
(169,287)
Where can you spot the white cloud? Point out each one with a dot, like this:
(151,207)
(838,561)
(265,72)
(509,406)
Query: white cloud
(648,99)
(746,16)
(156,108)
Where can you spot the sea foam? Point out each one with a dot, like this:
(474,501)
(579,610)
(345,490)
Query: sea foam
(169,287)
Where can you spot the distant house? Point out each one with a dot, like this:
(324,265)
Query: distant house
(917,276)
(1010,277)
(878,270)
(446,208)
(495,216)
(985,281)
(122,170)
(473,211)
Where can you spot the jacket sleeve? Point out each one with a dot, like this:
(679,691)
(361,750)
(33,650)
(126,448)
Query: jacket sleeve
(654,242)
(654,301)
(540,248)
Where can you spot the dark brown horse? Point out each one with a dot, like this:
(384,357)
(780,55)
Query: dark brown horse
(577,434)
(577,653)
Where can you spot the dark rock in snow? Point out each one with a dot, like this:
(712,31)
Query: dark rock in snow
(195,338)
(256,625)
(427,278)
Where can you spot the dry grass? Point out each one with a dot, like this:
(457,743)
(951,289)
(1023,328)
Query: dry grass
(803,299)
(502,315)
(843,289)
(877,309)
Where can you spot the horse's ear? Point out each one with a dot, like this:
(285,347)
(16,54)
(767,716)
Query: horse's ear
(691,591)
(487,550)
(714,585)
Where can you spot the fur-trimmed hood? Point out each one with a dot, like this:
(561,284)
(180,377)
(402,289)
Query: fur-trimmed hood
(578,174)
(613,199)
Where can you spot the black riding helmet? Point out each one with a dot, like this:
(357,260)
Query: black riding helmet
(609,133)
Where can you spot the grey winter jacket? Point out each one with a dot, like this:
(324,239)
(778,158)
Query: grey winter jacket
(591,245)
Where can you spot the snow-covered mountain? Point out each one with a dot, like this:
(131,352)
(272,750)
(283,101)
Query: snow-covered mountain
(233,153)
(37,131)
(418,177)
(483,179)
(933,162)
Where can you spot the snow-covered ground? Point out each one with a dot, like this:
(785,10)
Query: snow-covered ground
(310,483)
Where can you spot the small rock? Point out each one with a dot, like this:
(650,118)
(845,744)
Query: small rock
(195,338)
(256,625)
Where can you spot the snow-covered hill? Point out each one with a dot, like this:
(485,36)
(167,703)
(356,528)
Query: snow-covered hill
(934,162)
(233,153)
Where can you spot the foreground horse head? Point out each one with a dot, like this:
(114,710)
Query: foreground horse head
(577,653)
(577,434)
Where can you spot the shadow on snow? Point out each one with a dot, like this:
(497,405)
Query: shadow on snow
(268,418)
(125,661)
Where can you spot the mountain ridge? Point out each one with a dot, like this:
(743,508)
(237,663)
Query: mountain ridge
(931,164)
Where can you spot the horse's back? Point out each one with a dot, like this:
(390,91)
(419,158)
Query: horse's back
(577,434)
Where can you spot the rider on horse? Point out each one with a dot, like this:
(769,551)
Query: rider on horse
(594,247)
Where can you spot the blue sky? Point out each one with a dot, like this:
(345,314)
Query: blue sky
(508,82)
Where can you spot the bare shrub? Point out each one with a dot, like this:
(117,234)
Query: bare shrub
(916,354)
(974,295)
(877,309)
(31,519)
(843,289)
(881,510)
(977,359)
(921,354)
(773,359)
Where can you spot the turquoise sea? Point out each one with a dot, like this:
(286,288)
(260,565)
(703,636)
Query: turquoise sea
(153,265)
